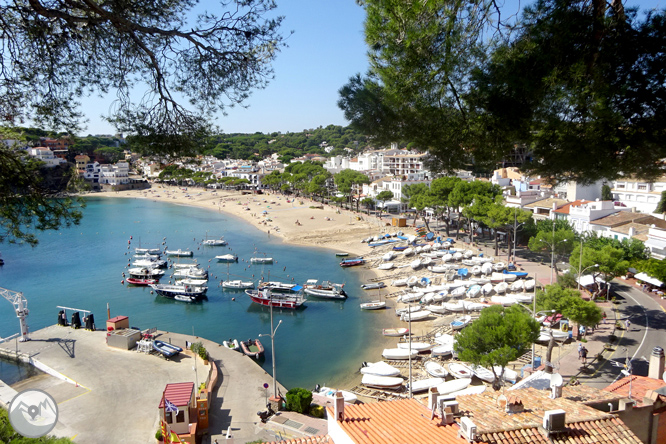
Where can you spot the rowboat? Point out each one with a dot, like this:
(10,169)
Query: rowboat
(499,266)
(168,350)
(425,384)
(381,382)
(456,385)
(342,254)
(252,348)
(386,266)
(416,316)
(483,374)
(412,280)
(442,350)
(400,331)
(461,322)
(352,262)
(508,375)
(139,281)
(460,370)
(398,353)
(418,346)
(380,368)
(435,369)
(374,305)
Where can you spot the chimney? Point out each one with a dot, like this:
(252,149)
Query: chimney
(632,231)
(433,394)
(339,407)
(514,404)
(656,369)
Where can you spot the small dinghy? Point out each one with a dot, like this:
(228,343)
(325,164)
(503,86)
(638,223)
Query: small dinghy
(398,353)
(385,266)
(252,348)
(399,282)
(461,322)
(460,371)
(456,385)
(425,384)
(508,375)
(529,284)
(400,331)
(168,350)
(435,369)
(232,344)
(382,382)
(416,316)
(418,346)
(349,397)
(442,350)
(483,374)
(380,368)
(374,305)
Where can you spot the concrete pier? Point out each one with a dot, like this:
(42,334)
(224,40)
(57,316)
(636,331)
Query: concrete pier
(109,395)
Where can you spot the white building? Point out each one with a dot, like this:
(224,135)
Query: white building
(46,155)
(581,213)
(639,194)
(117,174)
(656,242)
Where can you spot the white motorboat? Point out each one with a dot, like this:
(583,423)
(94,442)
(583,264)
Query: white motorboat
(214,242)
(145,273)
(518,285)
(179,253)
(193,282)
(487,268)
(425,384)
(237,284)
(483,373)
(503,300)
(348,397)
(380,368)
(415,264)
(461,322)
(506,374)
(418,346)
(409,251)
(398,353)
(386,266)
(147,251)
(388,256)
(435,369)
(410,297)
(192,272)
(150,263)
(529,284)
(417,316)
(227,258)
(382,382)
(486,289)
(179,265)
(374,305)
(412,308)
(261,260)
(501,288)
(460,371)
(499,266)
(456,385)
(473,291)
(399,331)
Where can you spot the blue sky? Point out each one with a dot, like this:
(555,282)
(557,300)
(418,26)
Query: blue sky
(327,48)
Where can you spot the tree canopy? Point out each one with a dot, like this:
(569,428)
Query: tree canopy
(465,81)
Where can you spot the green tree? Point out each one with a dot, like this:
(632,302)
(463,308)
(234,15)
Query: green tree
(348,182)
(609,261)
(9,435)
(499,336)
(568,302)
(606,192)
(368,202)
(440,189)
(553,240)
(414,195)
(661,206)
(383,196)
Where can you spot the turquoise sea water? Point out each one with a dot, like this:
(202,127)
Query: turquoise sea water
(82,267)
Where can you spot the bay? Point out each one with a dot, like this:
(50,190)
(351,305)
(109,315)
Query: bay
(82,266)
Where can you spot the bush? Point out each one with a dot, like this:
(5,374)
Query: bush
(317,411)
(199,349)
(299,399)
(158,435)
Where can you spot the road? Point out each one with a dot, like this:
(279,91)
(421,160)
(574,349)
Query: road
(647,330)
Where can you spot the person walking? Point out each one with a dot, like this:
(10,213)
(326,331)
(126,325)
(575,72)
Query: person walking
(627,324)
(583,355)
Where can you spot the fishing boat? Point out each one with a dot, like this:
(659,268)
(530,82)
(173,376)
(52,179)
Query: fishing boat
(382,382)
(352,262)
(373,286)
(425,384)
(233,344)
(435,369)
(418,346)
(179,253)
(237,284)
(261,260)
(461,322)
(373,305)
(483,373)
(166,349)
(227,258)
(400,331)
(380,368)
(456,385)
(269,298)
(171,291)
(398,353)
(325,289)
(140,281)
(252,348)
(460,371)
(328,392)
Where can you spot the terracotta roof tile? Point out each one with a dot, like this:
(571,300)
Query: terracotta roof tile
(566,208)
(638,385)
(623,217)
(319,439)
(179,394)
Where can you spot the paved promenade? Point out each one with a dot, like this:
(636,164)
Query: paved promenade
(108,395)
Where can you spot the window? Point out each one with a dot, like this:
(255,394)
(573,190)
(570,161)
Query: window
(168,417)
(642,187)
(620,186)
(180,417)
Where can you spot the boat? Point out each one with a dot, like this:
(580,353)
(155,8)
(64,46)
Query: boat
(171,291)
(415,264)
(373,286)
(487,268)
(412,280)
(415,316)
(324,289)
(399,282)
(227,258)
(473,291)
(232,344)
(147,251)
(398,353)
(456,385)
(501,287)
(508,374)
(385,266)
(460,371)
(340,254)
(237,284)
(145,273)
(476,270)
(426,261)
(438,268)
(214,242)
(280,287)
(270,298)
(382,382)
(252,348)
(193,282)
(380,368)
(410,308)
(520,274)
(400,331)
(425,384)
(461,322)
(388,257)
(374,305)
(140,281)
(435,369)
(408,251)
(166,349)
(486,289)
(192,272)
(261,260)
(529,284)
(150,263)
(483,373)
(352,262)
(436,308)
(418,346)
(458,292)
(522,297)
(462,272)
(179,253)
(442,350)
(349,397)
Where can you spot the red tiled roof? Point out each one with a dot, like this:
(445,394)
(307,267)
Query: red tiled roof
(564,209)
(179,394)
(402,421)
(319,439)
(639,386)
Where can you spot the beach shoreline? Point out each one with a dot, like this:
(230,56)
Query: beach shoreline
(320,226)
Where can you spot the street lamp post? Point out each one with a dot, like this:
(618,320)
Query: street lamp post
(272,336)
(409,308)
